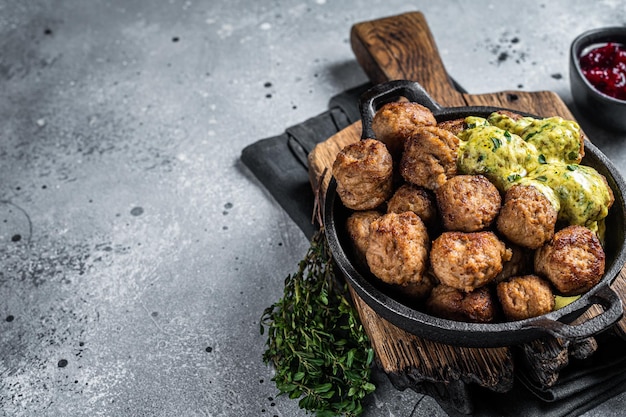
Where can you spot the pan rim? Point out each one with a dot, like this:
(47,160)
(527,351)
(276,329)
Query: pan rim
(476,334)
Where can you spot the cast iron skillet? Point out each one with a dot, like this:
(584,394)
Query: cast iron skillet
(391,307)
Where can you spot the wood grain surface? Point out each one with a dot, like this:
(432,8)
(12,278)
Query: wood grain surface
(402,47)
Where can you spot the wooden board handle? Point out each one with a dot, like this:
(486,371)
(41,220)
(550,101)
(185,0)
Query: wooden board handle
(403,48)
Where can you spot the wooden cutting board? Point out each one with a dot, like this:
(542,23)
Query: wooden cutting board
(402,47)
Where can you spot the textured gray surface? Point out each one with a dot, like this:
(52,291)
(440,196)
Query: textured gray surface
(137,253)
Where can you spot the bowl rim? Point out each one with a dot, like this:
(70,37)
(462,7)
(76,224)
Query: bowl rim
(591,37)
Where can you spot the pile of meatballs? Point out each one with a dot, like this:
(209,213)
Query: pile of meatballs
(450,243)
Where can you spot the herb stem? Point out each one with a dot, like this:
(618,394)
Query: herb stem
(315,341)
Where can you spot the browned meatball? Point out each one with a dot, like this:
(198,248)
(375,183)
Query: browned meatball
(418,290)
(364,174)
(573,260)
(521,263)
(525,296)
(455,126)
(416,199)
(358,226)
(394,122)
(429,157)
(468,203)
(450,303)
(467,261)
(527,217)
(512,115)
(398,248)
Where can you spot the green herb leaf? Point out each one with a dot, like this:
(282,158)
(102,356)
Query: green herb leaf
(530,135)
(513,177)
(315,341)
(323,388)
(496,143)
(542,159)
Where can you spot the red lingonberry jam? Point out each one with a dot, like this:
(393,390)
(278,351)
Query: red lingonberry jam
(605,68)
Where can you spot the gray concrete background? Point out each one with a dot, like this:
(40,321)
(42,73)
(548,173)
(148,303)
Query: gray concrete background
(136,252)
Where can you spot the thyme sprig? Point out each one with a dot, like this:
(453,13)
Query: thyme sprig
(315,341)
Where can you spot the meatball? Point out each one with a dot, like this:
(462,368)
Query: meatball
(429,157)
(521,263)
(573,260)
(394,122)
(508,120)
(358,226)
(454,126)
(364,174)
(468,203)
(450,303)
(527,217)
(467,261)
(525,296)
(416,199)
(418,290)
(398,248)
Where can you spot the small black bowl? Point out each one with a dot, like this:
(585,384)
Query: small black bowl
(602,109)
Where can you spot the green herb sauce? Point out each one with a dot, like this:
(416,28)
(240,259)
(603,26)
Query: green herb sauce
(582,192)
(558,139)
(497,154)
(543,153)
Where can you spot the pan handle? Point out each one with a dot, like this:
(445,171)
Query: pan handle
(386,92)
(613,311)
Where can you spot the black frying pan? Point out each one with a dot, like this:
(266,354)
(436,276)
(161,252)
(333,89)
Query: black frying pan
(391,307)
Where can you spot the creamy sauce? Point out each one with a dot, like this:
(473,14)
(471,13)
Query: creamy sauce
(539,152)
(582,192)
(497,154)
(544,188)
(561,301)
(557,138)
